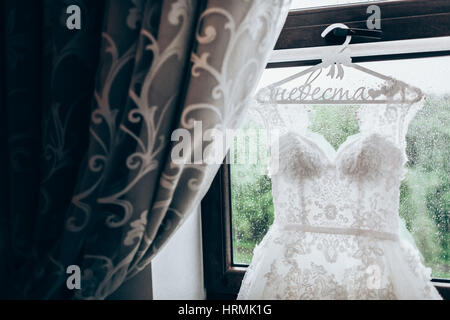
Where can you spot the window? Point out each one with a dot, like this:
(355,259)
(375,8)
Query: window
(238,209)
(425,192)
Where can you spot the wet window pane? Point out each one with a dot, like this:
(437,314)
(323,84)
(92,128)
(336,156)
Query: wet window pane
(425,192)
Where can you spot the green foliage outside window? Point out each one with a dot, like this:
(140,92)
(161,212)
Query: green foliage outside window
(424,194)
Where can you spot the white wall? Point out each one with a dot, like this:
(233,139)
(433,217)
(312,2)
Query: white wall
(177,271)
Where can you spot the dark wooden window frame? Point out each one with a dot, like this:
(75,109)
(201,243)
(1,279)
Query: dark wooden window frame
(401,20)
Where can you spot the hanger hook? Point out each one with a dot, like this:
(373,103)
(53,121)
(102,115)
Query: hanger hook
(333,26)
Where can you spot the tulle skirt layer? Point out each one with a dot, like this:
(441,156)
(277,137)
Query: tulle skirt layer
(293,264)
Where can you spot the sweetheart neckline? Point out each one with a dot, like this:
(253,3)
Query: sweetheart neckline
(351,138)
(349,141)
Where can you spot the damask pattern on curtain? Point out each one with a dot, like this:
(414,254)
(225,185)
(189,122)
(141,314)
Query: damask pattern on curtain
(87,119)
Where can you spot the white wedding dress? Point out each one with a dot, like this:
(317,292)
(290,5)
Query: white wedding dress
(336,232)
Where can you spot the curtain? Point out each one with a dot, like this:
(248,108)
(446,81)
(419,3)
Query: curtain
(87,123)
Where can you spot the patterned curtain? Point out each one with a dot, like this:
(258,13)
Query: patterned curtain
(87,117)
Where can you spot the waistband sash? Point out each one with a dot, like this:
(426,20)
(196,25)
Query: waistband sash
(344,231)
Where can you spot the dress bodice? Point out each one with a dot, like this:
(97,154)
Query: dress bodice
(336,233)
(355,187)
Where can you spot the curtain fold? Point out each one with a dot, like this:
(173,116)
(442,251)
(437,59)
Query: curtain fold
(89,119)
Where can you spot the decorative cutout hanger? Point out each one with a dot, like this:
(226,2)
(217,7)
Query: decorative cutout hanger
(390,90)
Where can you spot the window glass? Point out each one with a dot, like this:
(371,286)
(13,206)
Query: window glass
(424,193)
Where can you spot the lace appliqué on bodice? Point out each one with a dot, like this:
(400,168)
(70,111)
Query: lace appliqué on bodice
(335,232)
(354,187)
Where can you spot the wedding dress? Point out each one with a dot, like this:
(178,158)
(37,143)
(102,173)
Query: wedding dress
(336,231)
